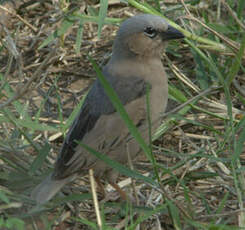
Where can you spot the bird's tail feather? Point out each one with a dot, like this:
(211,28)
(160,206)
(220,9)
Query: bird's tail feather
(48,188)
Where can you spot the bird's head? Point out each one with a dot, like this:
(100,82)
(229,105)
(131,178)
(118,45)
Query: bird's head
(144,35)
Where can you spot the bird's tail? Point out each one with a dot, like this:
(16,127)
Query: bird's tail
(48,188)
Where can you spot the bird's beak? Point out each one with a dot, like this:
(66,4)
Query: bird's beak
(171,33)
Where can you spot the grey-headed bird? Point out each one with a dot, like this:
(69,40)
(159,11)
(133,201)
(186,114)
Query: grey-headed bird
(135,63)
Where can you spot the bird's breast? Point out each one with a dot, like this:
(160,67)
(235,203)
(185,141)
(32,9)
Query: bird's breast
(152,72)
(157,78)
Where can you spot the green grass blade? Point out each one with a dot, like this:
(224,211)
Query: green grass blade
(91,225)
(119,167)
(59,107)
(237,62)
(66,24)
(29,124)
(73,197)
(102,15)
(222,203)
(175,214)
(13,120)
(153,160)
(157,210)
(79,36)
(240,8)
(38,162)
(146,9)
(74,113)
(239,144)
(89,18)
(176,93)
(10,93)
(120,109)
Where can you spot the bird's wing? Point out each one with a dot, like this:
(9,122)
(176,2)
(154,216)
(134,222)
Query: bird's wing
(96,104)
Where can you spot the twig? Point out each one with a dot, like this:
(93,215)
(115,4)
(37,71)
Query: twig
(185,7)
(181,76)
(233,14)
(231,43)
(169,197)
(191,100)
(188,12)
(95,199)
(220,214)
(188,139)
(133,181)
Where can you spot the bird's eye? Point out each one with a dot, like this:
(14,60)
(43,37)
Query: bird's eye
(150,32)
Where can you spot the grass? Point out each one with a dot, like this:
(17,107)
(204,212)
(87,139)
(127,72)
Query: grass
(195,177)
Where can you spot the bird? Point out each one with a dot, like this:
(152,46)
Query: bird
(134,66)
